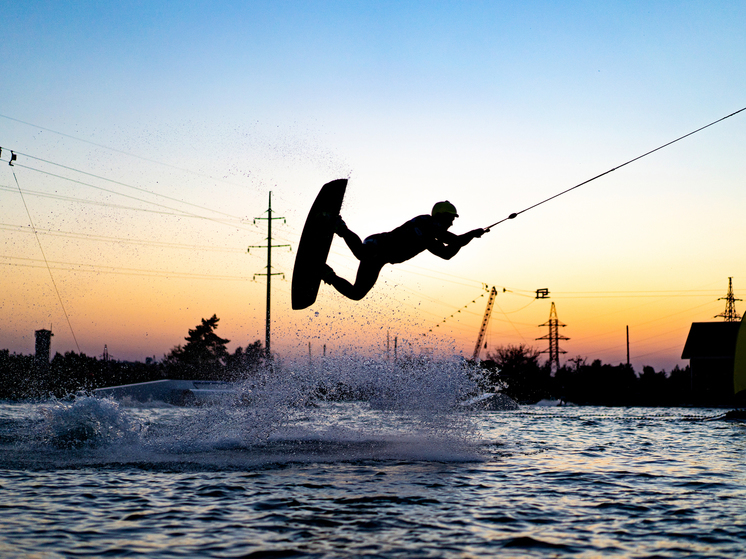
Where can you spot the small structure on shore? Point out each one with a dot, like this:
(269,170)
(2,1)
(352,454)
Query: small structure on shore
(42,349)
(711,349)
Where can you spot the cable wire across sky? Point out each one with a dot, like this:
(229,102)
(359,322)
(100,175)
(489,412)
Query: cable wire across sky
(516,214)
(522,329)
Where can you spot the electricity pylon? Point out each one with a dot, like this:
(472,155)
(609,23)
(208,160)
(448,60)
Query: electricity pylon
(554,338)
(269,272)
(730,314)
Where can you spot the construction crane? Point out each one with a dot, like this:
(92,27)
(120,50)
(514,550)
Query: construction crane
(485,322)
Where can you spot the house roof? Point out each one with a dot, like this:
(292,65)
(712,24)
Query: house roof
(711,340)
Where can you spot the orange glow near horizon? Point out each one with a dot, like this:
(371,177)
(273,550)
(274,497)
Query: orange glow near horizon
(143,164)
(142,295)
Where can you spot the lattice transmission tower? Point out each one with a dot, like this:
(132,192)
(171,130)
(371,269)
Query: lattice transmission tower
(554,337)
(730,314)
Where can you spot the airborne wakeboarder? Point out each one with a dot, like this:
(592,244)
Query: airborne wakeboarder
(424,232)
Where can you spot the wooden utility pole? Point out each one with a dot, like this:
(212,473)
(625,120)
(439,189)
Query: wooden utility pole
(628,345)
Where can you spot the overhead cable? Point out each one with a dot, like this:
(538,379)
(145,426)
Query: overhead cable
(123,184)
(119,151)
(51,276)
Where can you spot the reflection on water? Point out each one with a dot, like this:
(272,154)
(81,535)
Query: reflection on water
(405,472)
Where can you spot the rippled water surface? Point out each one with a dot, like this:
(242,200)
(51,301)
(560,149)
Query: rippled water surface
(94,478)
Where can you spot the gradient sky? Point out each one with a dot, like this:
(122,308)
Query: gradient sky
(190,113)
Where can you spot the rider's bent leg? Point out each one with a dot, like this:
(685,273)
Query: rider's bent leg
(367,274)
(354,243)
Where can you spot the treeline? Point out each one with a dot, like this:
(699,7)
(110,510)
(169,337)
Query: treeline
(514,370)
(204,357)
(517,371)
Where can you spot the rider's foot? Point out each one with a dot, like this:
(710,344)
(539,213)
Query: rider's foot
(327,274)
(335,221)
(340,227)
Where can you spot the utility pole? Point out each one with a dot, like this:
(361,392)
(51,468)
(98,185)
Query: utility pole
(628,345)
(269,272)
(554,338)
(730,314)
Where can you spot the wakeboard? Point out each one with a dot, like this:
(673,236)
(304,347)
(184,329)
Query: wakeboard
(315,242)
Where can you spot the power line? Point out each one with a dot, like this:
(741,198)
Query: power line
(97,203)
(98,269)
(513,324)
(118,240)
(638,324)
(631,296)
(121,184)
(181,213)
(657,351)
(646,291)
(120,151)
(51,276)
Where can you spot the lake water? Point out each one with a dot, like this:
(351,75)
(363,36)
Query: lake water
(405,473)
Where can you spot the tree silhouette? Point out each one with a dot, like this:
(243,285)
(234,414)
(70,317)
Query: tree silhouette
(203,356)
(517,367)
(245,363)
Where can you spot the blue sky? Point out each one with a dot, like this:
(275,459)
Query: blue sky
(493,105)
(246,60)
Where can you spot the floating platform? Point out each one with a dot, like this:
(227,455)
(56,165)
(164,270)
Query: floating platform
(491,401)
(175,392)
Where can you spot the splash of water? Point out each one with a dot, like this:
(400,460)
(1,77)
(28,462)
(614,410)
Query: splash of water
(85,422)
(346,408)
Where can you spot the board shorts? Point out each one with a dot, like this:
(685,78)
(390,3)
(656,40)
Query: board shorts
(374,247)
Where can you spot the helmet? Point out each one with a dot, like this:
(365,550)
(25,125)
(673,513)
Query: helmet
(444,208)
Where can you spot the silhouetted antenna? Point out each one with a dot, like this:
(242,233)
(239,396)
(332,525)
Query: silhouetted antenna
(554,338)
(269,272)
(730,314)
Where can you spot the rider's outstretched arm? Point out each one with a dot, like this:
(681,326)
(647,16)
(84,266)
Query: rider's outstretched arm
(449,247)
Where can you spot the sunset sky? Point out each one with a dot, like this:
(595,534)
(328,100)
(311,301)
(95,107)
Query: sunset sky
(150,134)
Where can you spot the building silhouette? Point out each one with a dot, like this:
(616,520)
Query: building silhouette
(43,346)
(711,349)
